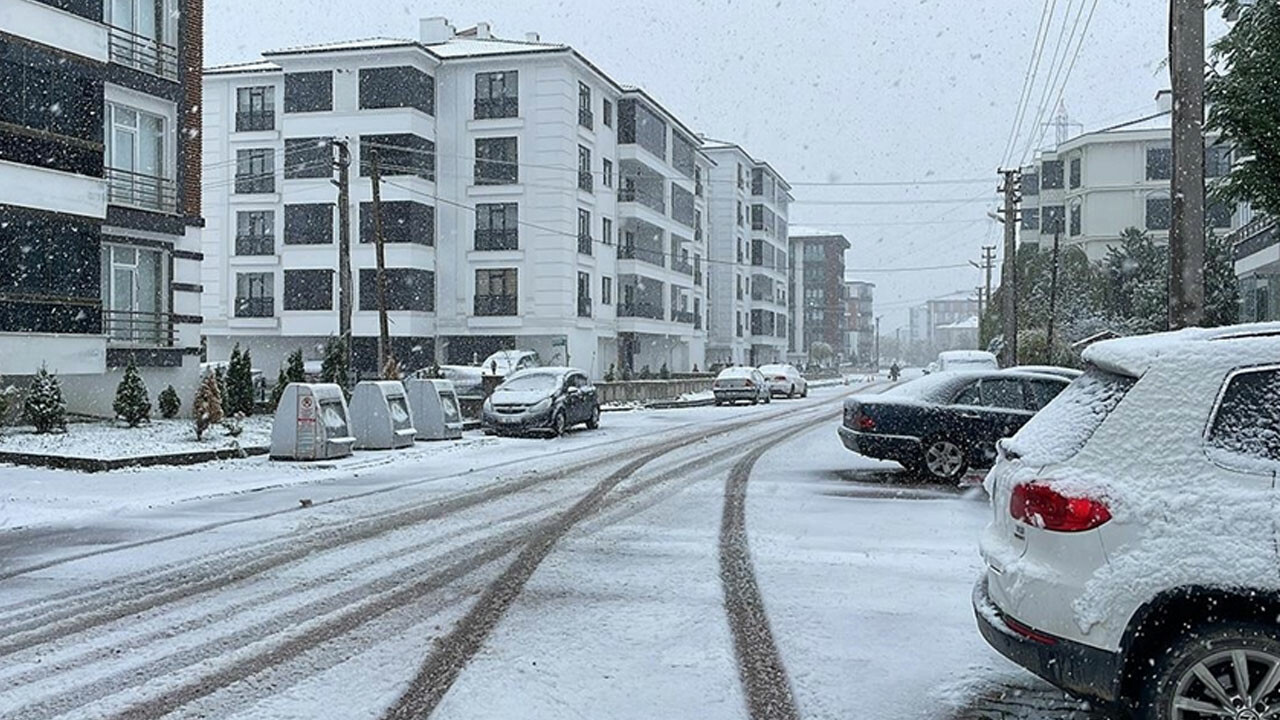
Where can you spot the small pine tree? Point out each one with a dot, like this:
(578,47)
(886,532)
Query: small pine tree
(391,369)
(207,405)
(133,404)
(44,407)
(296,370)
(645,373)
(333,369)
(170,403)
(277,391)
(220,377)
(239,397)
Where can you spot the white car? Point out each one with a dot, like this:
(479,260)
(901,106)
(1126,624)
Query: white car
(1134,553)
(508,362)
(785,380)
(967,360)
(740,383)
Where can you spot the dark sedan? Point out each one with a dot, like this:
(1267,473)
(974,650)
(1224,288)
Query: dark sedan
(544,399)
(943,424)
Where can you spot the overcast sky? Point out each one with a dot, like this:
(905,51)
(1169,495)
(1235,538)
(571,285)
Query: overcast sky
(838,91)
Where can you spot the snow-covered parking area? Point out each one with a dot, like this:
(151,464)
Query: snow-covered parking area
(703,563)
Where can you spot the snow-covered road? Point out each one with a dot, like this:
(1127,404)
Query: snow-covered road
(699,563)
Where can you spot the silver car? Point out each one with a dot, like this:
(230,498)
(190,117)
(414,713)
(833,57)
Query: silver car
(740,383)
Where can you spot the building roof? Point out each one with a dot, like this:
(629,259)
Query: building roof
(375,43)
(711,144)
(809,232)
(462,46)
(969,323)
(244,67)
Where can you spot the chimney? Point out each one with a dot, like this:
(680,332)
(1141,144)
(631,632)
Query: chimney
(1164,101)
(532,37)
(435,30)
(482,31)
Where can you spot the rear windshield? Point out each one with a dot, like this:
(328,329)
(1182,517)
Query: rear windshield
(736,372)
(936,387)
(1057,432)
(533,381)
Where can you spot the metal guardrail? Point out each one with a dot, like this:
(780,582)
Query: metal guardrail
(584,244)
(495,305)
(650,311)
(255,120)
(255,245)
(143,53)
(255,307)
(138,328)
(125,187)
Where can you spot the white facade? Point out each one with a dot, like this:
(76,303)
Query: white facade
(539,271)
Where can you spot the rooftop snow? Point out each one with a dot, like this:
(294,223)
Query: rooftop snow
(362,44)
(795,231)
(467,47)
(258,66)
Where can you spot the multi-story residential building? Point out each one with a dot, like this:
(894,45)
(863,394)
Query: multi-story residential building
(528,200)
(819,290)
(1256,243)
(945,323)
(100,177)
(1092,187)
(860,321)
(750,280)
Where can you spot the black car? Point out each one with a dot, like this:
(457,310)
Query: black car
(944,423)
(543,399)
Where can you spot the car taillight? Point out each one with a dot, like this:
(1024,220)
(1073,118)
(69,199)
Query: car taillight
(781,378)
(748,383)
(864,422)
(1041,506)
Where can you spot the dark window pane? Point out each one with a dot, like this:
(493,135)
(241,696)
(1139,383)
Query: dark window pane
(1159,163)
(1052,219)
(1217,161)
(1248,418)
(255,232)
(497,226)
(400,154)
(255,108)
(682,154)
(1218,215)
(1002,394)
(1051,175)
(308,92)
(310,224)
(308,289)
(497,94)
(639,125)
(395,87)
(1159,213)
(1076,219)
(1031,219)
(682,210)
(255,295)
(496,292)
(255,171)
(1075,173)
(308,158)
(403,221)
(497,161)
(1031,183)
(408,289)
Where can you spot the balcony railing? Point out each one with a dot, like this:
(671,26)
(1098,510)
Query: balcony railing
(653,200)
(652,311)
(632,252)
(255,245)
(499,107)
(252,120)
(586,181)
(138,328)
(255,307)
(125,187)
(584,307)
(584,244)
(491,305)
(497,239)
(697,321)
(585,118)
(697,277)
(143,53)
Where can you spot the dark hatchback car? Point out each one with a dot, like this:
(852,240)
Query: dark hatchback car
(943,424)
(544,399)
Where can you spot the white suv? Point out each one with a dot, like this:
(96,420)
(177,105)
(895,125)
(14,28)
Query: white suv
(1134,553)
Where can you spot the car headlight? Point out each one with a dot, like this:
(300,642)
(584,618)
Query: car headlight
(541,406)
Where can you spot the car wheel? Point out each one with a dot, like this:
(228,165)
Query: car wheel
(557,424)
(792,393)
(594,422)
(1229,670)
(768,398)
(944,459)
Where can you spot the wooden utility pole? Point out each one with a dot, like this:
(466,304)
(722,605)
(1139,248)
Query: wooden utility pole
(384,333)
(1053,297)
(1009,270)
(343,166)
(1186,232)
(878,343)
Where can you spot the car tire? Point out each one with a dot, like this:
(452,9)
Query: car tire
(805,392)
(557,424)
(943,459)
(593,423)
(768,398)
(791,395)
(1216,648)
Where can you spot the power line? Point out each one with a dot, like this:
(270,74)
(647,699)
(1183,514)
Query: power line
(1055,72)
(1028,80)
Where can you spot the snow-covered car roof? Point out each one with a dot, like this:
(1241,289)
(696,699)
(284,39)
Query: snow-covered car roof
(736,371)
(776,366)
(963,355)
(1218,348)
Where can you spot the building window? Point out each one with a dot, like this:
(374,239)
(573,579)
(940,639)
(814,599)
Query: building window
(255,295)
(1031,219)
(1159,163)
(683,155)
(1218,215)
(255,108)
(585,181)
(682,207)
(584,231)
(739,279)
(408,289)
(584,294)
(1076,220)
(697,181)
(639,125)
(255,171)
(1052,219)
(1075,173)
(741,219)
(497,94)
(1030,184)
(757,181)
(1051,175)
(397,87)
(496,292)
(399,154)
(137,171)
(606,290)
(403,221)
(143,34)
(133,295)
(738,315)
(585,117)
(1217,161)
(255,232)
(606,113)
(497,226)
(43,92)
(308,92)
(308,158)
(606,172)
(497,161)
(308,289)
(1159,213)
(606,231)
(309,224)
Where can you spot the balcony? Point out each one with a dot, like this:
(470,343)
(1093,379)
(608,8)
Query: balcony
(497,239)
(697,321)
(143,53)
(586,181)
(255,307)
(652,256)
(650,199)
(584,244)
(255,120)
(255,245)
(584,307)
(495,305)
(681,266)
(128,327)
(125,187)
(651,311)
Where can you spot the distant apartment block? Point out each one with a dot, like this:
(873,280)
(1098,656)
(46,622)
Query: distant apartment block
(860,321)
(818,290)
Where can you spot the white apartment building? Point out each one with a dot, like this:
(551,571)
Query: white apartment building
(528,201)
(1092,187)
(99,194)
(750,320)
(1255,240)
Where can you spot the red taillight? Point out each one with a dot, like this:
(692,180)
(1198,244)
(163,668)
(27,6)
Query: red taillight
(748,383)
(781,378)
(1030,633)
(865,423)
(1041,506)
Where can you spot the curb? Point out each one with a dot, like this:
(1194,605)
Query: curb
(93,465)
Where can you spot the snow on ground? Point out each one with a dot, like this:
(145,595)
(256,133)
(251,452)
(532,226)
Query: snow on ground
(110,440)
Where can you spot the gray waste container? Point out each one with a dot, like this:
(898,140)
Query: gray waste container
(436,414)
(381,416)
(311,423)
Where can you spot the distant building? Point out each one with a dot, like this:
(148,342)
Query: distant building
(860,321)
(945,323)
(1256,243)
(818,290)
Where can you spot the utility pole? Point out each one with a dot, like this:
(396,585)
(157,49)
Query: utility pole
(343,166)
(878,342)
(1009,271)
(1053,297)
(1186,232)
(988,263)
(384,334)
(981,305)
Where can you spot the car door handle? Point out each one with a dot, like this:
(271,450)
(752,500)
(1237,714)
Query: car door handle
(970,416)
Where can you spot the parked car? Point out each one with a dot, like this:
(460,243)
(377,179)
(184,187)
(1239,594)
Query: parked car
(966,360)
(545,400)
(740,383)
(946,423)
(1132,556)
(1066,372)
(784,379)
(507,362)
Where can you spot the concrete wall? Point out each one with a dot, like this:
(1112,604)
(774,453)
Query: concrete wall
(645,390)
(94,394)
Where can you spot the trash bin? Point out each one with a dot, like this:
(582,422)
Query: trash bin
(311,423)
(436,413)
(381,416)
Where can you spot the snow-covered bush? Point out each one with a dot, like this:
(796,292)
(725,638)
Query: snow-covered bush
(334,369)
(133,404)
(233,424)
(170,403)
(391,370)
(207,405)
(44,407)
(664,373)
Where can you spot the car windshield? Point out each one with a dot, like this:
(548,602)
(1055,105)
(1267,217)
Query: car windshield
(1062,428)
(534,381)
